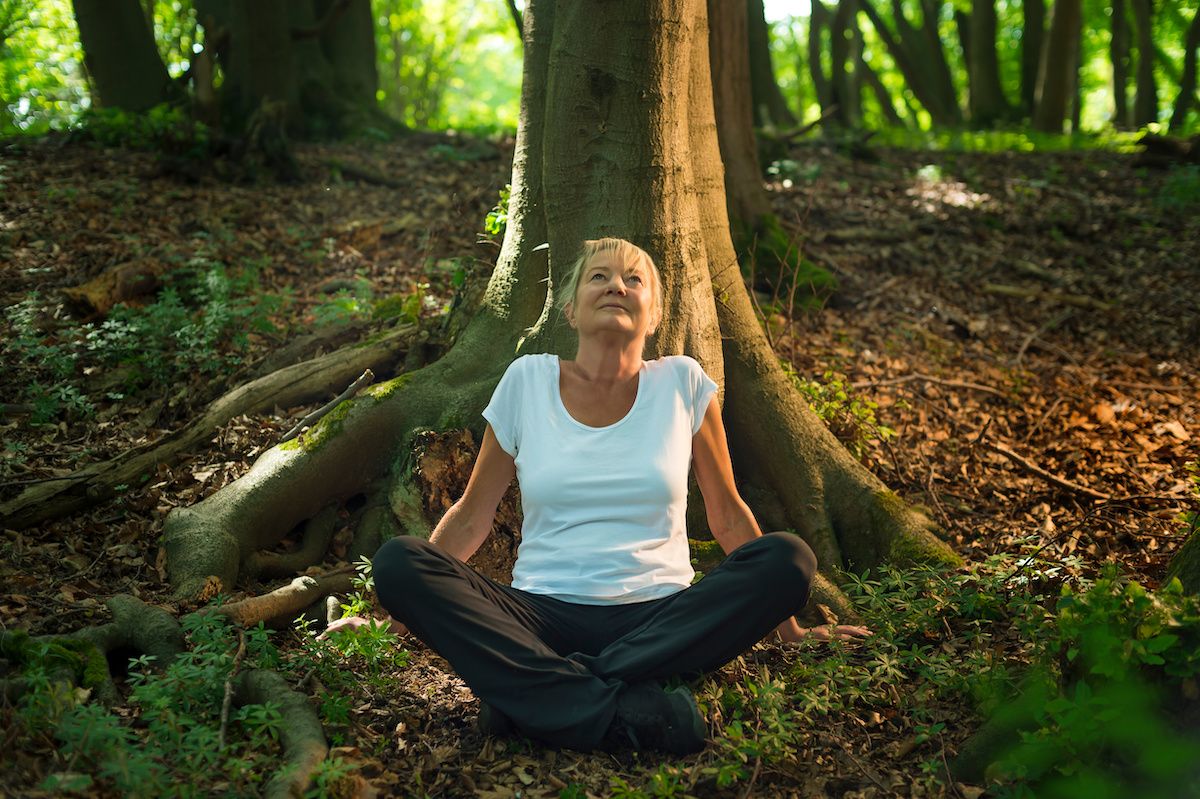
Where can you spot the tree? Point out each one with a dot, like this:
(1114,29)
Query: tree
(1119,55)
(768,104)
(617,137)
(1057,75)
(917,51)
(1033,34)
(1187,79)
(121,58)
(1145,103)
(987,102)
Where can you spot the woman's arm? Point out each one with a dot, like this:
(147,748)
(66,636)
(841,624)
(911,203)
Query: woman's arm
(468,522)
(731,521)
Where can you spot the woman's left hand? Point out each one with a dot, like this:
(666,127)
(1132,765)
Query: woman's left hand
(791,632)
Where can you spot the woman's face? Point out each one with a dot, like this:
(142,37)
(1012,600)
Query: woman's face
(613,296)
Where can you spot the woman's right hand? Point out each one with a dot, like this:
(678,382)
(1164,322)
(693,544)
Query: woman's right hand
(354,622)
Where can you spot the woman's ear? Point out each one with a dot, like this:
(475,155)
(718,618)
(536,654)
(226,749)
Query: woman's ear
(569,313)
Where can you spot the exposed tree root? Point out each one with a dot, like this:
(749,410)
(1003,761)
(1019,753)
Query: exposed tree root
(318,531)
(304,745)
(293,385)
(290,600)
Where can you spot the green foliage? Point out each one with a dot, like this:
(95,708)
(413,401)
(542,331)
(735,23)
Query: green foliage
(164,128)
(496,221)
(42,85)
(198,323)
(850,418)
(1181,190)
(172,734)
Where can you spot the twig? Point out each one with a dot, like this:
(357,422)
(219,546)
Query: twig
(1046,328)
(1078,300)
(308,421)
(1033,468)
(753,778)
(928,379)
(237,661)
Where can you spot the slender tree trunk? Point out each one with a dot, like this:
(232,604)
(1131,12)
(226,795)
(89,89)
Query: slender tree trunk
(987,102)
(1033,35)
(1145,103)
(818,20)
(768,106)
(1055,83)
(1119,54)
(934,55)
(910,49)
(882,95)
(1187,78)
(841,75)
(617,137)
(121,56)
(1076,83)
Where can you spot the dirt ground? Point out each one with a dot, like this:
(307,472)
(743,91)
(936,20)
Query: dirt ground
(1026,323)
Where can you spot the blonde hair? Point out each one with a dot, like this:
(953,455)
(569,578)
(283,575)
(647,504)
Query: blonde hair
(628,254)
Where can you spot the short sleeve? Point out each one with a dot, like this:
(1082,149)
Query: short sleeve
(701,389)
(503,411)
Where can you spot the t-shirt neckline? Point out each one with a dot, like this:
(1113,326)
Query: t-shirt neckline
(562,406)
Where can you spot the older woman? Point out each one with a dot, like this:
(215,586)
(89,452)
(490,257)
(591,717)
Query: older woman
(601,608)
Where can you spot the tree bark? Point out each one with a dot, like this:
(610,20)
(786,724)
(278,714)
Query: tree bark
(842,83)
(818,20)
(987,102)
(768,104)
(349,47)
(1187,78)
(1055,78)
(1119,55)
(1033,34)
(1145,103)
(617,136)
(121,57)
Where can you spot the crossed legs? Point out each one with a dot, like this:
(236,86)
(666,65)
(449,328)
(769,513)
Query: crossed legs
(556,668)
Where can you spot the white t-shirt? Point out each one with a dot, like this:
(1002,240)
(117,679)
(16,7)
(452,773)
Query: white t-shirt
(603,506)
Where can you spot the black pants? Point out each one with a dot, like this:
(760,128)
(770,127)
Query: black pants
(555,668)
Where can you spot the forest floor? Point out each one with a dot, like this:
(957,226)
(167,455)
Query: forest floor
(1016,334)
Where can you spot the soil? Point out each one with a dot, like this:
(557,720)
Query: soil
(1037,303)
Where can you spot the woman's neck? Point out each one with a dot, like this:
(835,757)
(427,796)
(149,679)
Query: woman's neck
(607,364)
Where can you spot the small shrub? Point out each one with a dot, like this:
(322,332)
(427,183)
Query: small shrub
(850,418)
(496,220)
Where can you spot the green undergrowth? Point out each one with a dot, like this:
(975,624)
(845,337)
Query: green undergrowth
(163,738)
(849,417)
(1013,140)
(165,129)
(199,323)
(1086,667)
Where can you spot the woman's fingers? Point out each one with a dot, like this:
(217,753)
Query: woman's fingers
(344,623)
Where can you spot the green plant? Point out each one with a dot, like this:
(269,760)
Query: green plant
(496,220)
(170,129)
(850,418)
(346,305)
(1181,190)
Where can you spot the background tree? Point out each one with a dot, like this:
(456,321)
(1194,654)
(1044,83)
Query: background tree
(768,105)
(641,77)
(1057,74)
(987,101)
(1145,105)
(121,57)
(1187,76)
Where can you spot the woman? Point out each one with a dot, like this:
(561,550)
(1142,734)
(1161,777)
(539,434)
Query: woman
(601,608)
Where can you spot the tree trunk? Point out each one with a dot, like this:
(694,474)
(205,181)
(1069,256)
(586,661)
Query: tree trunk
(817,21)
(1119,55)
(1076,83)
(882,95)
(617,137)
(842,82)
(349,47)
(914,56)
(1055,80)
(1033,35)
(1145,103)
(768,106)
(987,102)
(1187,78)
(934,57)
(121,57)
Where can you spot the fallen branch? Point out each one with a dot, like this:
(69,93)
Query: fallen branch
(289,600)
(292,385)
(929,379)
(1033,468)
(364,174)
(1078,300)
(364,380)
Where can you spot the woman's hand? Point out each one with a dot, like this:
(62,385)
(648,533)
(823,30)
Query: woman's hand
(354,622)
(791,632)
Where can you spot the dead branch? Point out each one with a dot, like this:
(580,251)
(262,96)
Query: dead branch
(364,380)
(1061,298)
(1033,468)
(929,379)
(363,174)
(291,599)
(292,385)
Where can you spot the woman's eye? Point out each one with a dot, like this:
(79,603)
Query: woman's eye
(638,278)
